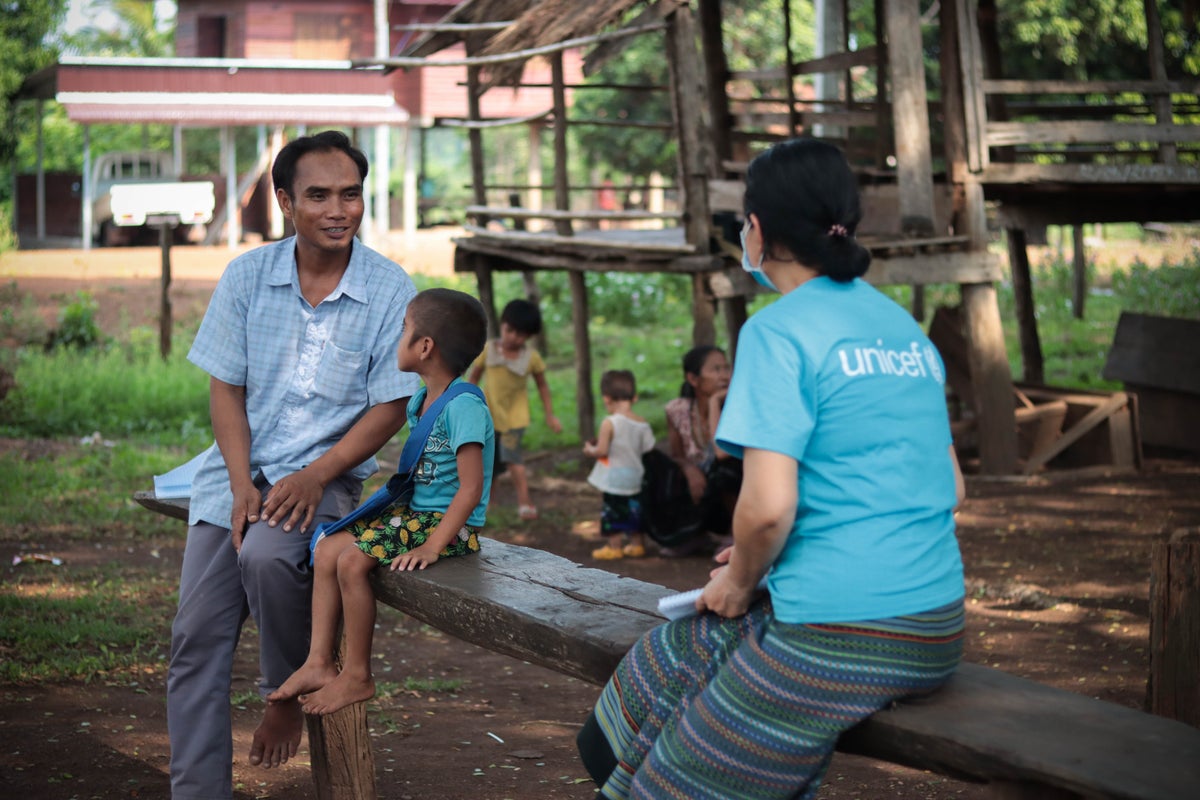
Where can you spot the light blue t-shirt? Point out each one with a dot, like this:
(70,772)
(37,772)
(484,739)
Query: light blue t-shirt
(464,420)
(843,380)
(309,373)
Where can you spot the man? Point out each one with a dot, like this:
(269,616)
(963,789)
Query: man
(300,342)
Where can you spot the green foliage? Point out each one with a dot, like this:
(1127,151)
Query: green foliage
(1167,290)
(136,30)
(77,325)
(119,390)
(1088,39)
(20,322)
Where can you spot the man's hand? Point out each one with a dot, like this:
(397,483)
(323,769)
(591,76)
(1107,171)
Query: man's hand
(553,423)
(246,502)
(293,500)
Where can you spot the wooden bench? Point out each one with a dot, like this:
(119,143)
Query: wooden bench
(1022,738)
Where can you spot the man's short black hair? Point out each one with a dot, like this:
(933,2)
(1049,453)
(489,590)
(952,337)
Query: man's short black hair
(454,320)
(283,172)
(523,317)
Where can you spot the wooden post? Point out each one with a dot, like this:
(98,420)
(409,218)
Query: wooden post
(343,764)
(883,141)
(1078,272)
(789,88)
(164,307)
(692,124)
(1168,153)
(708,14)
(562,187)
(583,356)
(910,117)
(1174,687)
(1022,283)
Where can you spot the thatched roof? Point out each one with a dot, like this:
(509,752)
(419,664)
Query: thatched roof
(535,23)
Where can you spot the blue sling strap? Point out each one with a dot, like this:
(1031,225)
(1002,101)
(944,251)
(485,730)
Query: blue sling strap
(401,482)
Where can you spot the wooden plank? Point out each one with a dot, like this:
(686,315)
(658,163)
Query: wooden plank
(1121,174)
(1014,86)
(984,725)
(837,62)
(1077,431)
(1000,134)
(610,245)
(991,379)
(557,214)
(1156,351)
(531,605)
(992,726)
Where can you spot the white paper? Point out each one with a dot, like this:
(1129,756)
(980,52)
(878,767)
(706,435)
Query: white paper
(677,606)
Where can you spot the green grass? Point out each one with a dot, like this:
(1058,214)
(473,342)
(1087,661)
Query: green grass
(94,622)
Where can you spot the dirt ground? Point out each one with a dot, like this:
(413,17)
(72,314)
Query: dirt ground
(1058,579)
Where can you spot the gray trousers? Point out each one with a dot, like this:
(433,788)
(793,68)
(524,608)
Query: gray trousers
(219,588)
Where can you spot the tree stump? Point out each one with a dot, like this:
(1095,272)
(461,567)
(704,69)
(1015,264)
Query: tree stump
(343,765)
(1173,690)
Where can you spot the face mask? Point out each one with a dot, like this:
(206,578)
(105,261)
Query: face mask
(756,272)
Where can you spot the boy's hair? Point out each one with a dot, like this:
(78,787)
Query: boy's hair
(618,384)
(523,317)
(283,172)
(456,323)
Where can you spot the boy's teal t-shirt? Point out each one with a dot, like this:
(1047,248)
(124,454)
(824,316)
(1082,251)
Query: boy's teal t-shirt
(841,378)
(464,420)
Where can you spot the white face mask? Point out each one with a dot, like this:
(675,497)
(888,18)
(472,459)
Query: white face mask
(756,272)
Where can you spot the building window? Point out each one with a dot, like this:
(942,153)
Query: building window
(210,37)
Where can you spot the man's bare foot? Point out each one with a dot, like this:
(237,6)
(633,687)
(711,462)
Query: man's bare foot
(344,690)
(308,678)
(277,737)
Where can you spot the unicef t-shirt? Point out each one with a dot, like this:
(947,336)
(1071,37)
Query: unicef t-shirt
(464,420)
(843,380)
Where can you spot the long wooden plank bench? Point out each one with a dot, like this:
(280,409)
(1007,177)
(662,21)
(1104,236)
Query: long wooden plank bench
(1022,738)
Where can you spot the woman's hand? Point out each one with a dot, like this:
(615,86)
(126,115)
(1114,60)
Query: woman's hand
(725,595)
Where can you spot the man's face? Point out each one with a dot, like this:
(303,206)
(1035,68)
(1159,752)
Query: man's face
(328,205)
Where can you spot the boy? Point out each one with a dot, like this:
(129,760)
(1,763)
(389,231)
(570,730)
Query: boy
(506,363)
(623,439)
(443,331)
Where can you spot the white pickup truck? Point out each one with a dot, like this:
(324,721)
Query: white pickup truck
(135,189)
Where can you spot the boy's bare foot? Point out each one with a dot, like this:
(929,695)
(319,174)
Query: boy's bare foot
(308,678)
(277,737)
(338,693)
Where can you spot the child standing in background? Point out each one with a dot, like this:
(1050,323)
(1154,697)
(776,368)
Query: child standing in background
(506,364)
(618,449)
(443,331)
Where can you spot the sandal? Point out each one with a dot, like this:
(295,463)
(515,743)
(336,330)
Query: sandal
(634,551)
(527,512)
(607,553)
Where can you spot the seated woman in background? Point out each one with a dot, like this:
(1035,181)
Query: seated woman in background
(713,477)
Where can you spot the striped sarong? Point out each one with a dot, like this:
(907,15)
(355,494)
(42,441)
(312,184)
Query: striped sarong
(707,707)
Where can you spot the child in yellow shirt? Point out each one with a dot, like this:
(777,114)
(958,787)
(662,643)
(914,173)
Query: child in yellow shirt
(505,366)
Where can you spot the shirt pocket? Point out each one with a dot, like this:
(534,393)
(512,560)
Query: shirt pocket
(342,375)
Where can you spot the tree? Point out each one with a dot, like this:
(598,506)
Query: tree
(135,29)
(25,47)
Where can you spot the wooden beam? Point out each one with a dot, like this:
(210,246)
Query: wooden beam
(914,167)
(1000,134)
(1122,174)
(991,379)
(708,15)
(1174,687)
(482,124)
(1006,86)
(582,214)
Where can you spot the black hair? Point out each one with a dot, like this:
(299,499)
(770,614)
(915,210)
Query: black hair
(618,384)
(523,317)
(454,320)
(806,199)
(693,362)
(283,172)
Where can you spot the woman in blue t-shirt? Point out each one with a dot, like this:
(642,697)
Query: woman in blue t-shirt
(837,408)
